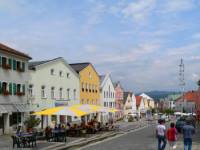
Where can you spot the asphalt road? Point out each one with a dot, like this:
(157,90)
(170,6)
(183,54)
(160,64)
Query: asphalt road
(143,139)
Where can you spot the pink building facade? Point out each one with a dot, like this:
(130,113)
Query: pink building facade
(119,95)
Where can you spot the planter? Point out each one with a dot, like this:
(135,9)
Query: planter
(6,93)
(20,94)
(6,66)
(20,70)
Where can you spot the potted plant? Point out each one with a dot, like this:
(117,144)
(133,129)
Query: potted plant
(31,122)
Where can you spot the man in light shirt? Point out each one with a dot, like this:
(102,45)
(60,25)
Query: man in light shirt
(161,135)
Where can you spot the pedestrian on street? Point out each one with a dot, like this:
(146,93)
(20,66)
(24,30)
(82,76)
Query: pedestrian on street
(161,134)
(172,136)
(188,131)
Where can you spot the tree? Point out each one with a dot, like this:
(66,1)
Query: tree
(198,83)
(32,122)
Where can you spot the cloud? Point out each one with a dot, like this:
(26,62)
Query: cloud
(139,10)
(94,15)
(178,5)
(90,48)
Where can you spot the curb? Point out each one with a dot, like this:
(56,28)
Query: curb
(97,139)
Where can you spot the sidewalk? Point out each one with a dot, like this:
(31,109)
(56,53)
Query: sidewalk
(6,141)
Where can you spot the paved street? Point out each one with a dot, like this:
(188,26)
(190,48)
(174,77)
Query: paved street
(143,139)
(138,140)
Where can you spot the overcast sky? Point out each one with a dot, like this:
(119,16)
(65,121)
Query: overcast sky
(140,42)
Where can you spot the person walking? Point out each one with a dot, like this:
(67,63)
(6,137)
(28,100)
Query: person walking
(172,136)
(161,135)
(188,131)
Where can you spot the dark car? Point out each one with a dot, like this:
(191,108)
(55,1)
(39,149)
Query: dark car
(182,121)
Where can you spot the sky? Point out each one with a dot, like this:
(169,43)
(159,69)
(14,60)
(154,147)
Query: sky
(139,42)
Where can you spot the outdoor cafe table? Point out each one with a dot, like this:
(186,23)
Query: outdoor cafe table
(59,134)
(26,139)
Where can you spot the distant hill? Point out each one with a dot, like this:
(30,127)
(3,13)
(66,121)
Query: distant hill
(157,95)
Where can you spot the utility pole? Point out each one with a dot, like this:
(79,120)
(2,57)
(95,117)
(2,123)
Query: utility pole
(182,81)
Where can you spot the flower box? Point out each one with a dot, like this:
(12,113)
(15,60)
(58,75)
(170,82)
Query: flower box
(6,93)
(6,66)
(20,94)
(20,70)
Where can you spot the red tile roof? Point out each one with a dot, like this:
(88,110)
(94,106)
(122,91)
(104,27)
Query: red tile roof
(13,51)
(191,96)
(138,100)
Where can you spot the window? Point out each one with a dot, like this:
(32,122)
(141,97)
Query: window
(68,97)
(6,63)
(68,75)
(104,94)
(89,87)
(74,94)
(52,72)
(82,87)
(60,93)
(104,104)
(43,94)
(82,101)
(86,86)
(107,94)
(88,101)
(52,92)
(4,87)
(30,90)
(60,73)
(90,76)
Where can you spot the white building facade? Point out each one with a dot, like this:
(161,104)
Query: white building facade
(14,105)
(107,95)
(53,83)
(129,104)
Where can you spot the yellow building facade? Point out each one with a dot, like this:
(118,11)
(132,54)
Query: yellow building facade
(89,83)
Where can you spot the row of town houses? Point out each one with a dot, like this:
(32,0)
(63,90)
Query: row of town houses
(27,87)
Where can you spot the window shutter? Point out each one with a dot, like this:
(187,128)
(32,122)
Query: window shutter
(10,88)
(14,64)
(23,88)
(0,88)
(23,66)
(14,89)
(10,62)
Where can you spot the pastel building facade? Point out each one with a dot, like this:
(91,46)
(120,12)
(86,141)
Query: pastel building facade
(14,77)
(129,103)
(89,83)
(53,83)
(119,96)
(107,94)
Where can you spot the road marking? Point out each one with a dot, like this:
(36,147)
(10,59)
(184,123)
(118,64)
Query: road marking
(109,139)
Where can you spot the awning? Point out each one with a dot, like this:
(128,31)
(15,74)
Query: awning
(23,107)
(2,109)
(7,108)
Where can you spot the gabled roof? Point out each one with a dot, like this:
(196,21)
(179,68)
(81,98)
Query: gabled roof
(126,95)
(13,51)
(33,64)
(102,77)
(146,96)
(191,96)
(79,66)
(138,100)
